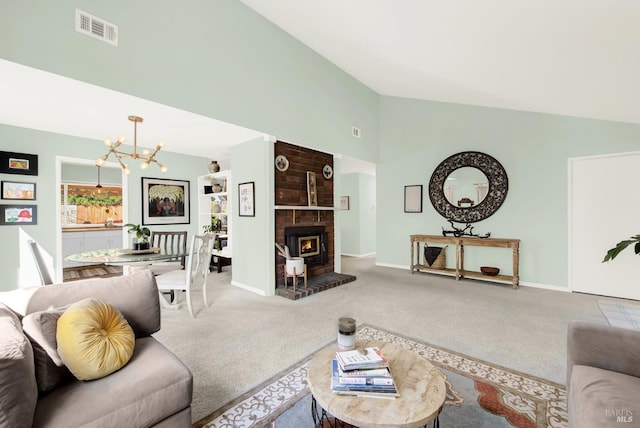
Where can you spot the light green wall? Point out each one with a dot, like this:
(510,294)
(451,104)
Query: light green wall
(358,224)
(216,58)
(533,148)
(48,146)
(367,225)
(220,59)
(252,240)
(350,232)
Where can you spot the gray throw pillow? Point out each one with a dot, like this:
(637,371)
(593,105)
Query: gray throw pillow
(18,390)
(40,327)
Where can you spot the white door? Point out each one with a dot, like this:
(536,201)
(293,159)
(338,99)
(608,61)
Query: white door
(604,208)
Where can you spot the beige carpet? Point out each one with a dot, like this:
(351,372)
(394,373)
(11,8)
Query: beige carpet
(244,339)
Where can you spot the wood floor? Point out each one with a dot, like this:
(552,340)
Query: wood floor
(91,271)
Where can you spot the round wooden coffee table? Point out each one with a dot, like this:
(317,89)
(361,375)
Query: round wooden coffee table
(421,387)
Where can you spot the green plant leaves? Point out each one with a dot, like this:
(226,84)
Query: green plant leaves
(620,246)
(99,200)
(141,232)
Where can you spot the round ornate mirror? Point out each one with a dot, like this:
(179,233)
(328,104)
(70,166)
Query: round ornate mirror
(468,187)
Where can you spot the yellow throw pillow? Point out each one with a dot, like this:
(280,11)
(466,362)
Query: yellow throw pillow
(94,339)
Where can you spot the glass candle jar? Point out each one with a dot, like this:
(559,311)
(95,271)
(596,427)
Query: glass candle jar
(346,334)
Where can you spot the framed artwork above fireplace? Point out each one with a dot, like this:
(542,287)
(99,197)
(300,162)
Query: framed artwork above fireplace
(312,194)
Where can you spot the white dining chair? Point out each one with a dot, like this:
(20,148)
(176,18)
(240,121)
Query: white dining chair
(195,273)
(43,271)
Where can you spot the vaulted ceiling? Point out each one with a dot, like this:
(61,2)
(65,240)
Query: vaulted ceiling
(567,57)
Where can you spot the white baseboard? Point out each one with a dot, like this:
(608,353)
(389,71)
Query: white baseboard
(358,255)
(392,266)
(521,284)
(249,288)
(544,286)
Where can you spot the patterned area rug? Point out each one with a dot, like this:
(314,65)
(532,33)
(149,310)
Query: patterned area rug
(511,398)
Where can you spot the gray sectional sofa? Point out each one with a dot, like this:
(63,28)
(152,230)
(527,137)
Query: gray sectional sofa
(153,389)
(603,376)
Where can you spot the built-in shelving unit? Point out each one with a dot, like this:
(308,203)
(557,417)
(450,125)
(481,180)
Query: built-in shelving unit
(214,202)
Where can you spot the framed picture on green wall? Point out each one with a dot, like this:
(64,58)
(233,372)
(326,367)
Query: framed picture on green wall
(18,163)
(413,198)
(18,190)
(22,215)
(246,199)
(344,203)
(165,201)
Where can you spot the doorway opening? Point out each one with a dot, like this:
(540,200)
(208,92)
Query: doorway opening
(90,211)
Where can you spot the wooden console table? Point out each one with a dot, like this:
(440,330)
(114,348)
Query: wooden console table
(459,271)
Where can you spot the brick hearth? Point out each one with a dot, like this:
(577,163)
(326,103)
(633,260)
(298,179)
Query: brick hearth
(314,285)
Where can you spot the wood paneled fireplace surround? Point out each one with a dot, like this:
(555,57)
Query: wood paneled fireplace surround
(308,232)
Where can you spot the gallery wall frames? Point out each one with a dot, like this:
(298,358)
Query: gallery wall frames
(21,215)
(18,190)
(165,201)
(18,163)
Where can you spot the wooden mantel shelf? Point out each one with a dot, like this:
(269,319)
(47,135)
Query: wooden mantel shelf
(295,208)
(303,208)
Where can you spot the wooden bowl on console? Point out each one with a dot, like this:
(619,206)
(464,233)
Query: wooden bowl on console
(489,270)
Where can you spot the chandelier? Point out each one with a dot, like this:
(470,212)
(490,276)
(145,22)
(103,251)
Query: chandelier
(146,156)
(99,186)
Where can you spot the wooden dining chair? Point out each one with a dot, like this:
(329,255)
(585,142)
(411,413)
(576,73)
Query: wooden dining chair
(195,273)
(169,242)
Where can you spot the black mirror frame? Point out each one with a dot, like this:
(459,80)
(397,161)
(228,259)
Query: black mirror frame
(498,187)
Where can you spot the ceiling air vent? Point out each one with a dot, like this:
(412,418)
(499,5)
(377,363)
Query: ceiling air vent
(96,27)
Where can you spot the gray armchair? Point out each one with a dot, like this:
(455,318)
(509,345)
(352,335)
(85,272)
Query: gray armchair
(603,375)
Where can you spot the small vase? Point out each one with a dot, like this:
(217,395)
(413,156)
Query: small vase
(214,166)
(139,244)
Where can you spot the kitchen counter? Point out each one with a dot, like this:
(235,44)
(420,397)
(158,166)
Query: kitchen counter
(89,228)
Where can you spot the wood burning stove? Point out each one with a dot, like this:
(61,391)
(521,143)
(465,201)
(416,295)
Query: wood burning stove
(310,242)
(309,245)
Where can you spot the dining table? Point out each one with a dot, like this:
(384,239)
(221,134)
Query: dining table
(125,256)
(131,260)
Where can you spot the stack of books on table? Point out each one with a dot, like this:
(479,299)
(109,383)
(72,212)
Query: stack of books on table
(363,372)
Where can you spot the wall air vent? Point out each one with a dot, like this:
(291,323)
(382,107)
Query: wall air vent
(95,27)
